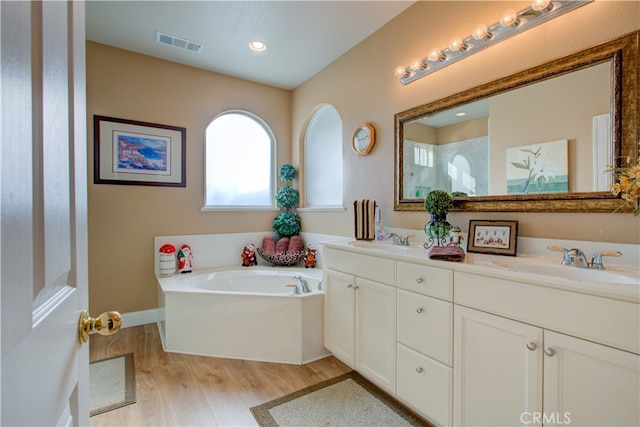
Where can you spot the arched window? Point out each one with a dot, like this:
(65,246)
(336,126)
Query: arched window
(239,167)
(323,159)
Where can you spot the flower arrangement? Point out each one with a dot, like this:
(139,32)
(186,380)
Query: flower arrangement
(438,203)
(628,184)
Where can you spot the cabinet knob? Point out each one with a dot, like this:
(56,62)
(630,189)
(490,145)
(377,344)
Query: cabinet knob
(419,279)
(549,351)
(419,369)
(419,310)
(349,285)
(531,345)
(355,288)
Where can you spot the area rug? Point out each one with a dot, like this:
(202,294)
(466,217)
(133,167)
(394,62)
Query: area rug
(112,384)
(348,400)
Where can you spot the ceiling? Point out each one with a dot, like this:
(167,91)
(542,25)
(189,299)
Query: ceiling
(302,37)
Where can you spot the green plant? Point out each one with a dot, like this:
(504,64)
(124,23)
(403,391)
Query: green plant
(287,197)
(287,224)
(438,203)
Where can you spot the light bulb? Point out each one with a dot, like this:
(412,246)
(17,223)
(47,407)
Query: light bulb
(416,64)
(257,46)
(481,32)
(509,17)
(539,5)
(400,71)
(436,55)
(457,44)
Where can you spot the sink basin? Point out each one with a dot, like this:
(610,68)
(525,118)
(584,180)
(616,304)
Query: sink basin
(379,246)
(617,275)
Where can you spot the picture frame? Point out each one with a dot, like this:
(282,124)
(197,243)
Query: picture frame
(130,152)
(492,237)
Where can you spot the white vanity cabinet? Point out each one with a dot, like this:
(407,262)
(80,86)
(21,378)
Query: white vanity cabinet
(360,314)
(460,344)
(424,334)
(525,372)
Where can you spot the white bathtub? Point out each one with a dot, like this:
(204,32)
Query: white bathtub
(243,313)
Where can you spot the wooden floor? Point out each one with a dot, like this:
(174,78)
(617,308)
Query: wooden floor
(182,390)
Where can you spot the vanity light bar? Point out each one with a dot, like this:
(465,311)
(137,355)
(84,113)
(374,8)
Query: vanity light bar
(510,24)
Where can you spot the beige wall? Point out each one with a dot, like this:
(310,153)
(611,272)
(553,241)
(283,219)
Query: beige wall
(123,219)
(361,86)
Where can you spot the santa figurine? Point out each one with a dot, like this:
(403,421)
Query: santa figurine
(184,259)
(249,256)
(310,255)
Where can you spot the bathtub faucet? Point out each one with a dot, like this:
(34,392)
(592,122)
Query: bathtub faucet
(303,284)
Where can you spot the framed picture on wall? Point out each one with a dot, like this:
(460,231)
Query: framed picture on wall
(130,152)
(492,237)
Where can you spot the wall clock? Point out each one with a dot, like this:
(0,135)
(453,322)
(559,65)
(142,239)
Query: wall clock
(363,139)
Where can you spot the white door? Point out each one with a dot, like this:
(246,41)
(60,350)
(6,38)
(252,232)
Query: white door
(589,384)
(376,332)
(497,370)
(339,315)
(44,214)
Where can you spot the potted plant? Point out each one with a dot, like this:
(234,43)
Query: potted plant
(438,203)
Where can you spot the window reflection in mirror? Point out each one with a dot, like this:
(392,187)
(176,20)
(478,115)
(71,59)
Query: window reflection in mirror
(464,149)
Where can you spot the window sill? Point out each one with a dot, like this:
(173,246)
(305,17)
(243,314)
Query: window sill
(323,209)
(239,209)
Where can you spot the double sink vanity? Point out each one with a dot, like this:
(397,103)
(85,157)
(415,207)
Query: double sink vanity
(492,340)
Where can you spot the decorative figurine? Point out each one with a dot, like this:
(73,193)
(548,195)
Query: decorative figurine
(185,258)
(249,256)
(455,236)
(167,264)
(310,256)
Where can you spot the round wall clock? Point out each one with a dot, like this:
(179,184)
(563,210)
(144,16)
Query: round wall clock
(363,139)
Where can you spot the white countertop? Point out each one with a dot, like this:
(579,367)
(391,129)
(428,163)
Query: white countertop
(490,265)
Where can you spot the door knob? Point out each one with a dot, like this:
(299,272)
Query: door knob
(108,323)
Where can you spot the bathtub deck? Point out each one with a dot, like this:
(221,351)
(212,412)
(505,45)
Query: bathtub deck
(183,390)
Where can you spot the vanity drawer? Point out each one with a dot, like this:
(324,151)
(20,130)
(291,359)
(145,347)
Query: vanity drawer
(436,282)
(425,385)
(378,269)
(425,324)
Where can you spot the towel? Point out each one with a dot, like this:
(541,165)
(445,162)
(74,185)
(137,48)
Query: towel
(447,253)
(364,211)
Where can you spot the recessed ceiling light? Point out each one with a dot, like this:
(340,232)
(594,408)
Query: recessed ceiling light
(461,114)
(257,46)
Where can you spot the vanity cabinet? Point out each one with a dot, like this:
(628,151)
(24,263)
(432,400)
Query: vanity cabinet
(462,345)
(510,372)
(360,315)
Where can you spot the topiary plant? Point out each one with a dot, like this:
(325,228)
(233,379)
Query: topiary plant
(438,203)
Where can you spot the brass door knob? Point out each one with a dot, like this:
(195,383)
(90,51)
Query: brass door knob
(108,323)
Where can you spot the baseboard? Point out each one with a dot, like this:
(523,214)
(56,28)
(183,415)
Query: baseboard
(137,318)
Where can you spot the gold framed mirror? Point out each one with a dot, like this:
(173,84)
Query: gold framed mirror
(616,137)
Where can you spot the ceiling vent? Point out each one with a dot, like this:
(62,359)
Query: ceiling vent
(169,40)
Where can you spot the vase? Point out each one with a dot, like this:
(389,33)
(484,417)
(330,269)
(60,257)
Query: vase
(438,227)
(167,264)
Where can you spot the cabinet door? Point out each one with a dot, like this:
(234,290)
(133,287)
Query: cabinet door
(376,332)
(589,384)
(339,315)
(497,370)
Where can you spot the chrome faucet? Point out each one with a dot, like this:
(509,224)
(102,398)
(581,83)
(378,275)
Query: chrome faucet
(400,240)
(576,258)
(303,284)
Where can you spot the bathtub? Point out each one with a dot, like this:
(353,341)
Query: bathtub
(243,313)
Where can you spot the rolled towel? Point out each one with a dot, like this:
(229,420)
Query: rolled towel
(282,245)
(295,244)
(268,244)
(447,253)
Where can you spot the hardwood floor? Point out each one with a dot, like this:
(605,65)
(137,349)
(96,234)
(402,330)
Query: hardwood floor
(183,390)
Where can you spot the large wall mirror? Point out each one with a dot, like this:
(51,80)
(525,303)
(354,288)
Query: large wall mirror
(539,140)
